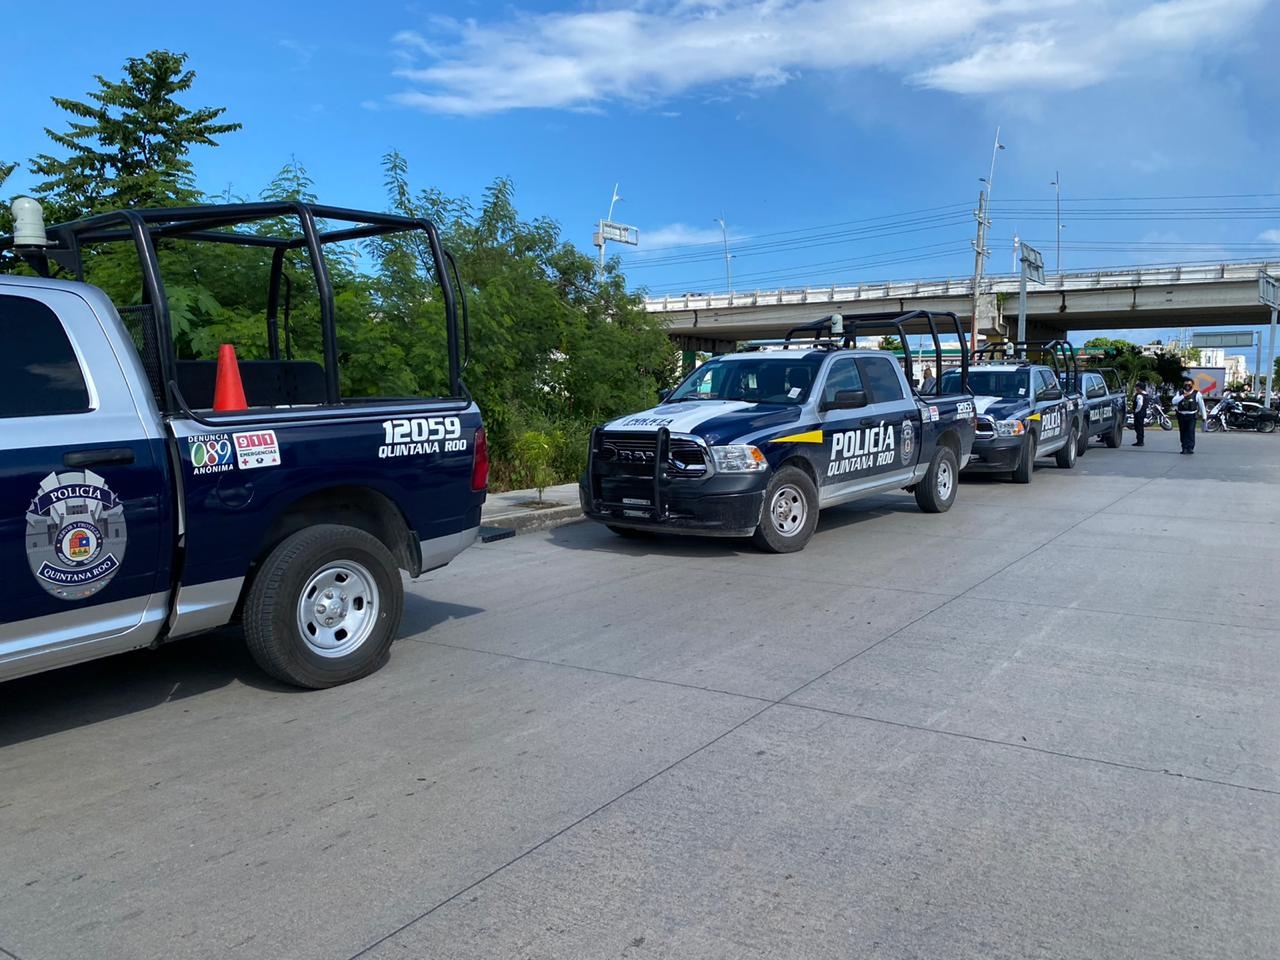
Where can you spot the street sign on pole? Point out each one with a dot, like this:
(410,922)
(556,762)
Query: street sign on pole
(1227,338)
(1269,290)
(1032,269)
(1032,264)
(619,233)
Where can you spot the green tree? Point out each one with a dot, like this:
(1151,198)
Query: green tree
(554,347)
(6,219)
(890,343)
(127,145)
(1126,358)
(1169,366)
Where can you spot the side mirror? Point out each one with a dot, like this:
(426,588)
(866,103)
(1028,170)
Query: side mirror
(847,400)
(664,393)
(1052,394)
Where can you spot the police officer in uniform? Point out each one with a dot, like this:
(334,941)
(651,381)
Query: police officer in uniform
(1139,411)
(1188,406)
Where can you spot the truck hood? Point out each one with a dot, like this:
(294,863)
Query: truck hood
(1001,408)
(716,421)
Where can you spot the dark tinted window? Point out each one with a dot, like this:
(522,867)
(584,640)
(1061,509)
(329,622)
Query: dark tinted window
(989,383)
(843,375)
(881,376)
(39,374)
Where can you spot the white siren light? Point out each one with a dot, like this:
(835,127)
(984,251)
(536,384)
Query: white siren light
(28,223)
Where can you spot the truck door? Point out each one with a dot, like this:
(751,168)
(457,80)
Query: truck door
(895,414)
(1051,407)
(84,507)
(1101,411)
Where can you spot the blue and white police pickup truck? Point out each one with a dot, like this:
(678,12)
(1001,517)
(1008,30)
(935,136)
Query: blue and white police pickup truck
(1023,415)
(133,513)
(1102,409)
(756,443)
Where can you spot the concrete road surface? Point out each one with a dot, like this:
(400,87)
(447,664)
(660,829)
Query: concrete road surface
(1043,725)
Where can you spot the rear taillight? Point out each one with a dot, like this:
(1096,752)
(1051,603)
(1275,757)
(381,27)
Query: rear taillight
(480,463)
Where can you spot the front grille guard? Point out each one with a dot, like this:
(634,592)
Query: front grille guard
(657,510)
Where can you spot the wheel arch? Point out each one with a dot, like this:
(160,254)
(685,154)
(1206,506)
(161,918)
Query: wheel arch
(356,506)
(804,463)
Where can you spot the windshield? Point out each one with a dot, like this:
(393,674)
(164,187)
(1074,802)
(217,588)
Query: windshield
(763,379)
(989,383)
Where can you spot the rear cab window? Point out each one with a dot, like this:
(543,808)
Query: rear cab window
(40,374)
(881,377)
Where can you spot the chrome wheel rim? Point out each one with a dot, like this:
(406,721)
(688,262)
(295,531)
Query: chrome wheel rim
(338,609)
(787,510)
(946,480)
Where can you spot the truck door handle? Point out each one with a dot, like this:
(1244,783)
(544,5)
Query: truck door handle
(91,458)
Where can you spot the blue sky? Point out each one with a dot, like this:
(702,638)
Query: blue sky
(839,141)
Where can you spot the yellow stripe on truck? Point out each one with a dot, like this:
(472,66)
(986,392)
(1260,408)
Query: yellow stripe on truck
(812,436)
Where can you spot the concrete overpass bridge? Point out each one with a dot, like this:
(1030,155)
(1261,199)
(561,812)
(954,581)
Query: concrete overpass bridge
(1197,295)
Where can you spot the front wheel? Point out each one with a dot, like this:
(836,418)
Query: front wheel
(1166,423)
(1212,425)
(325,607)
(937,491)
(1266,426)
(790,512)
(1066,457)
(1026,460)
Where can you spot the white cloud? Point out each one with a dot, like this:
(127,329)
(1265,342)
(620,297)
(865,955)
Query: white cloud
(651,51)
(678,235)
(1269,236)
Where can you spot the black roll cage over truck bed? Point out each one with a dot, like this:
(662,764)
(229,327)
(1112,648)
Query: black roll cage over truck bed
(1060,355)
(212,224)
(837,332)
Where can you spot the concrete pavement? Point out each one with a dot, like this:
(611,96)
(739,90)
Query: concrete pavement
(1043,724)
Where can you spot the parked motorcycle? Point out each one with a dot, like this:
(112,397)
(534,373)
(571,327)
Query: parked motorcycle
(1155,415)
(1231,414)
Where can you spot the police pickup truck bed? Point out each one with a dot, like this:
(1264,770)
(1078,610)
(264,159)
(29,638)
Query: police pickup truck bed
(757,443)
(132,513)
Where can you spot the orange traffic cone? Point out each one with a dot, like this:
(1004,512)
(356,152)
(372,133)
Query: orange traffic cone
(228,391)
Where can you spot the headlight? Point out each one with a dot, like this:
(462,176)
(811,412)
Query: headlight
(738,458)
(1010,428)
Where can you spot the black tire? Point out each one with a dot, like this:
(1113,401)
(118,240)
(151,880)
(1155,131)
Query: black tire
(1212,425)
(1066,456)
(629,533)
(1026,461)
(1266,426)
(1116,436)
(937,491)
(1082,444)
(286,630)
(1166,424)
(790,512)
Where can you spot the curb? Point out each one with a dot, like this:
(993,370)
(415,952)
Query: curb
(527,521)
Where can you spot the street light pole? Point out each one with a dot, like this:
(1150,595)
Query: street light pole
(979,246)
(1057,193)
(600,238)
(724,235)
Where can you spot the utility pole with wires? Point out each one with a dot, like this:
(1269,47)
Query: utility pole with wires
(979,256)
